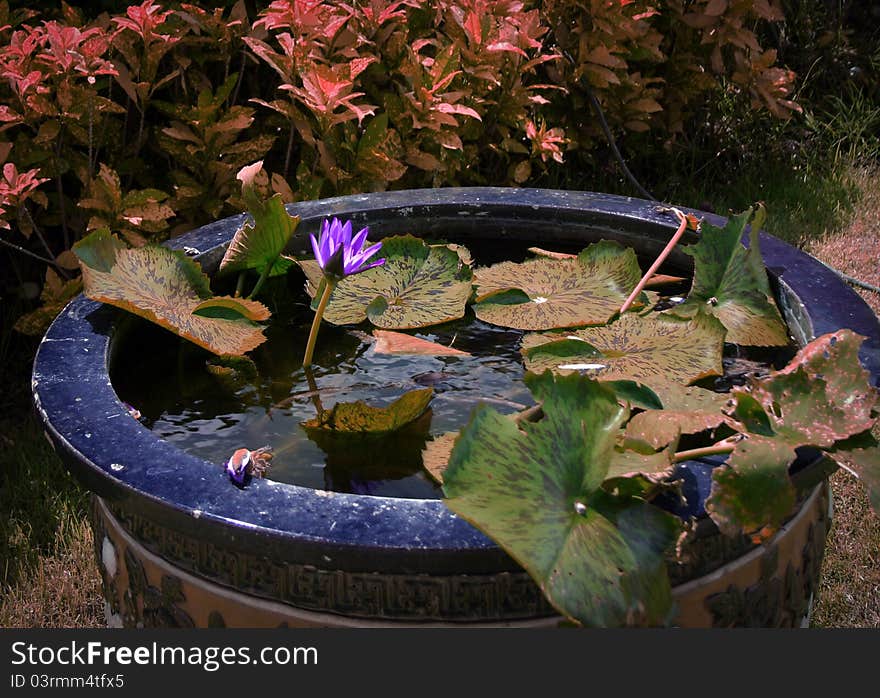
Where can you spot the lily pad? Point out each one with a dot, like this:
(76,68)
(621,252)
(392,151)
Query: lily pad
(166,287)
(535,488)
(361,418)
(822,398)
(388,342)
(419,285)
(259,242)
(731,284)
(686,411)
(754,493)
(655,349)
(548,293)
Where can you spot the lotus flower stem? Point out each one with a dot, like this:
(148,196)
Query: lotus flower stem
(723,446)
(239,285)
(683,221)
(339,254)
(329,285)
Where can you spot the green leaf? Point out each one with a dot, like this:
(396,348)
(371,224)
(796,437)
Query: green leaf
(361,418)
(686,411)
(536,490)
(98,250)
(822,398)
(547,293)
(754,494)
(166,287)
(636,394)
(228,308)
(655,349)
(731,284)
(417,286)
(258,244)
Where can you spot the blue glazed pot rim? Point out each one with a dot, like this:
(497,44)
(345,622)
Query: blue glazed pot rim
(122,461)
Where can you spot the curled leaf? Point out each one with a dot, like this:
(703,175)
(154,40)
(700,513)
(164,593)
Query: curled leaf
(166,287)
(361,418)
(730,283)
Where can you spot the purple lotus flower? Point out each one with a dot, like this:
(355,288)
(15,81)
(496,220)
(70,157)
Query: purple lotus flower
(339,254)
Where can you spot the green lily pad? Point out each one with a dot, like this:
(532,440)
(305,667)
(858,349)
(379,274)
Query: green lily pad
(753,494)
(417,286)
(689,410)
(361,418)
(822,398)
(655,349)
(731,284)
(259,242)
(535,488)
(548,293)
(166,287)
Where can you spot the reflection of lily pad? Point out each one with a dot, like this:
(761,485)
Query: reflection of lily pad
(166,287)
(597,556)
(656,350)
(731,284)
(360,418)
(548,293)
(417,286)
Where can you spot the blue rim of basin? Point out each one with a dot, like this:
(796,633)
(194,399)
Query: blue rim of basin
(125,463)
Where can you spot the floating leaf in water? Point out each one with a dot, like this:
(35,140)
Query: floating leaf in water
(822,398)
(361,418)
(535,488)
(656,350)
(548,293)
(419,285)
(731,283)
(258,243)
(388,342)
(166,287)
(232,371)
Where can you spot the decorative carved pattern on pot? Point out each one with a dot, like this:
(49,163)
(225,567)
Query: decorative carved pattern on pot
(776,600)
(503,596)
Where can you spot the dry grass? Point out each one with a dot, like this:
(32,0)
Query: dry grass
(61,589)
(849,595)
(48,575)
